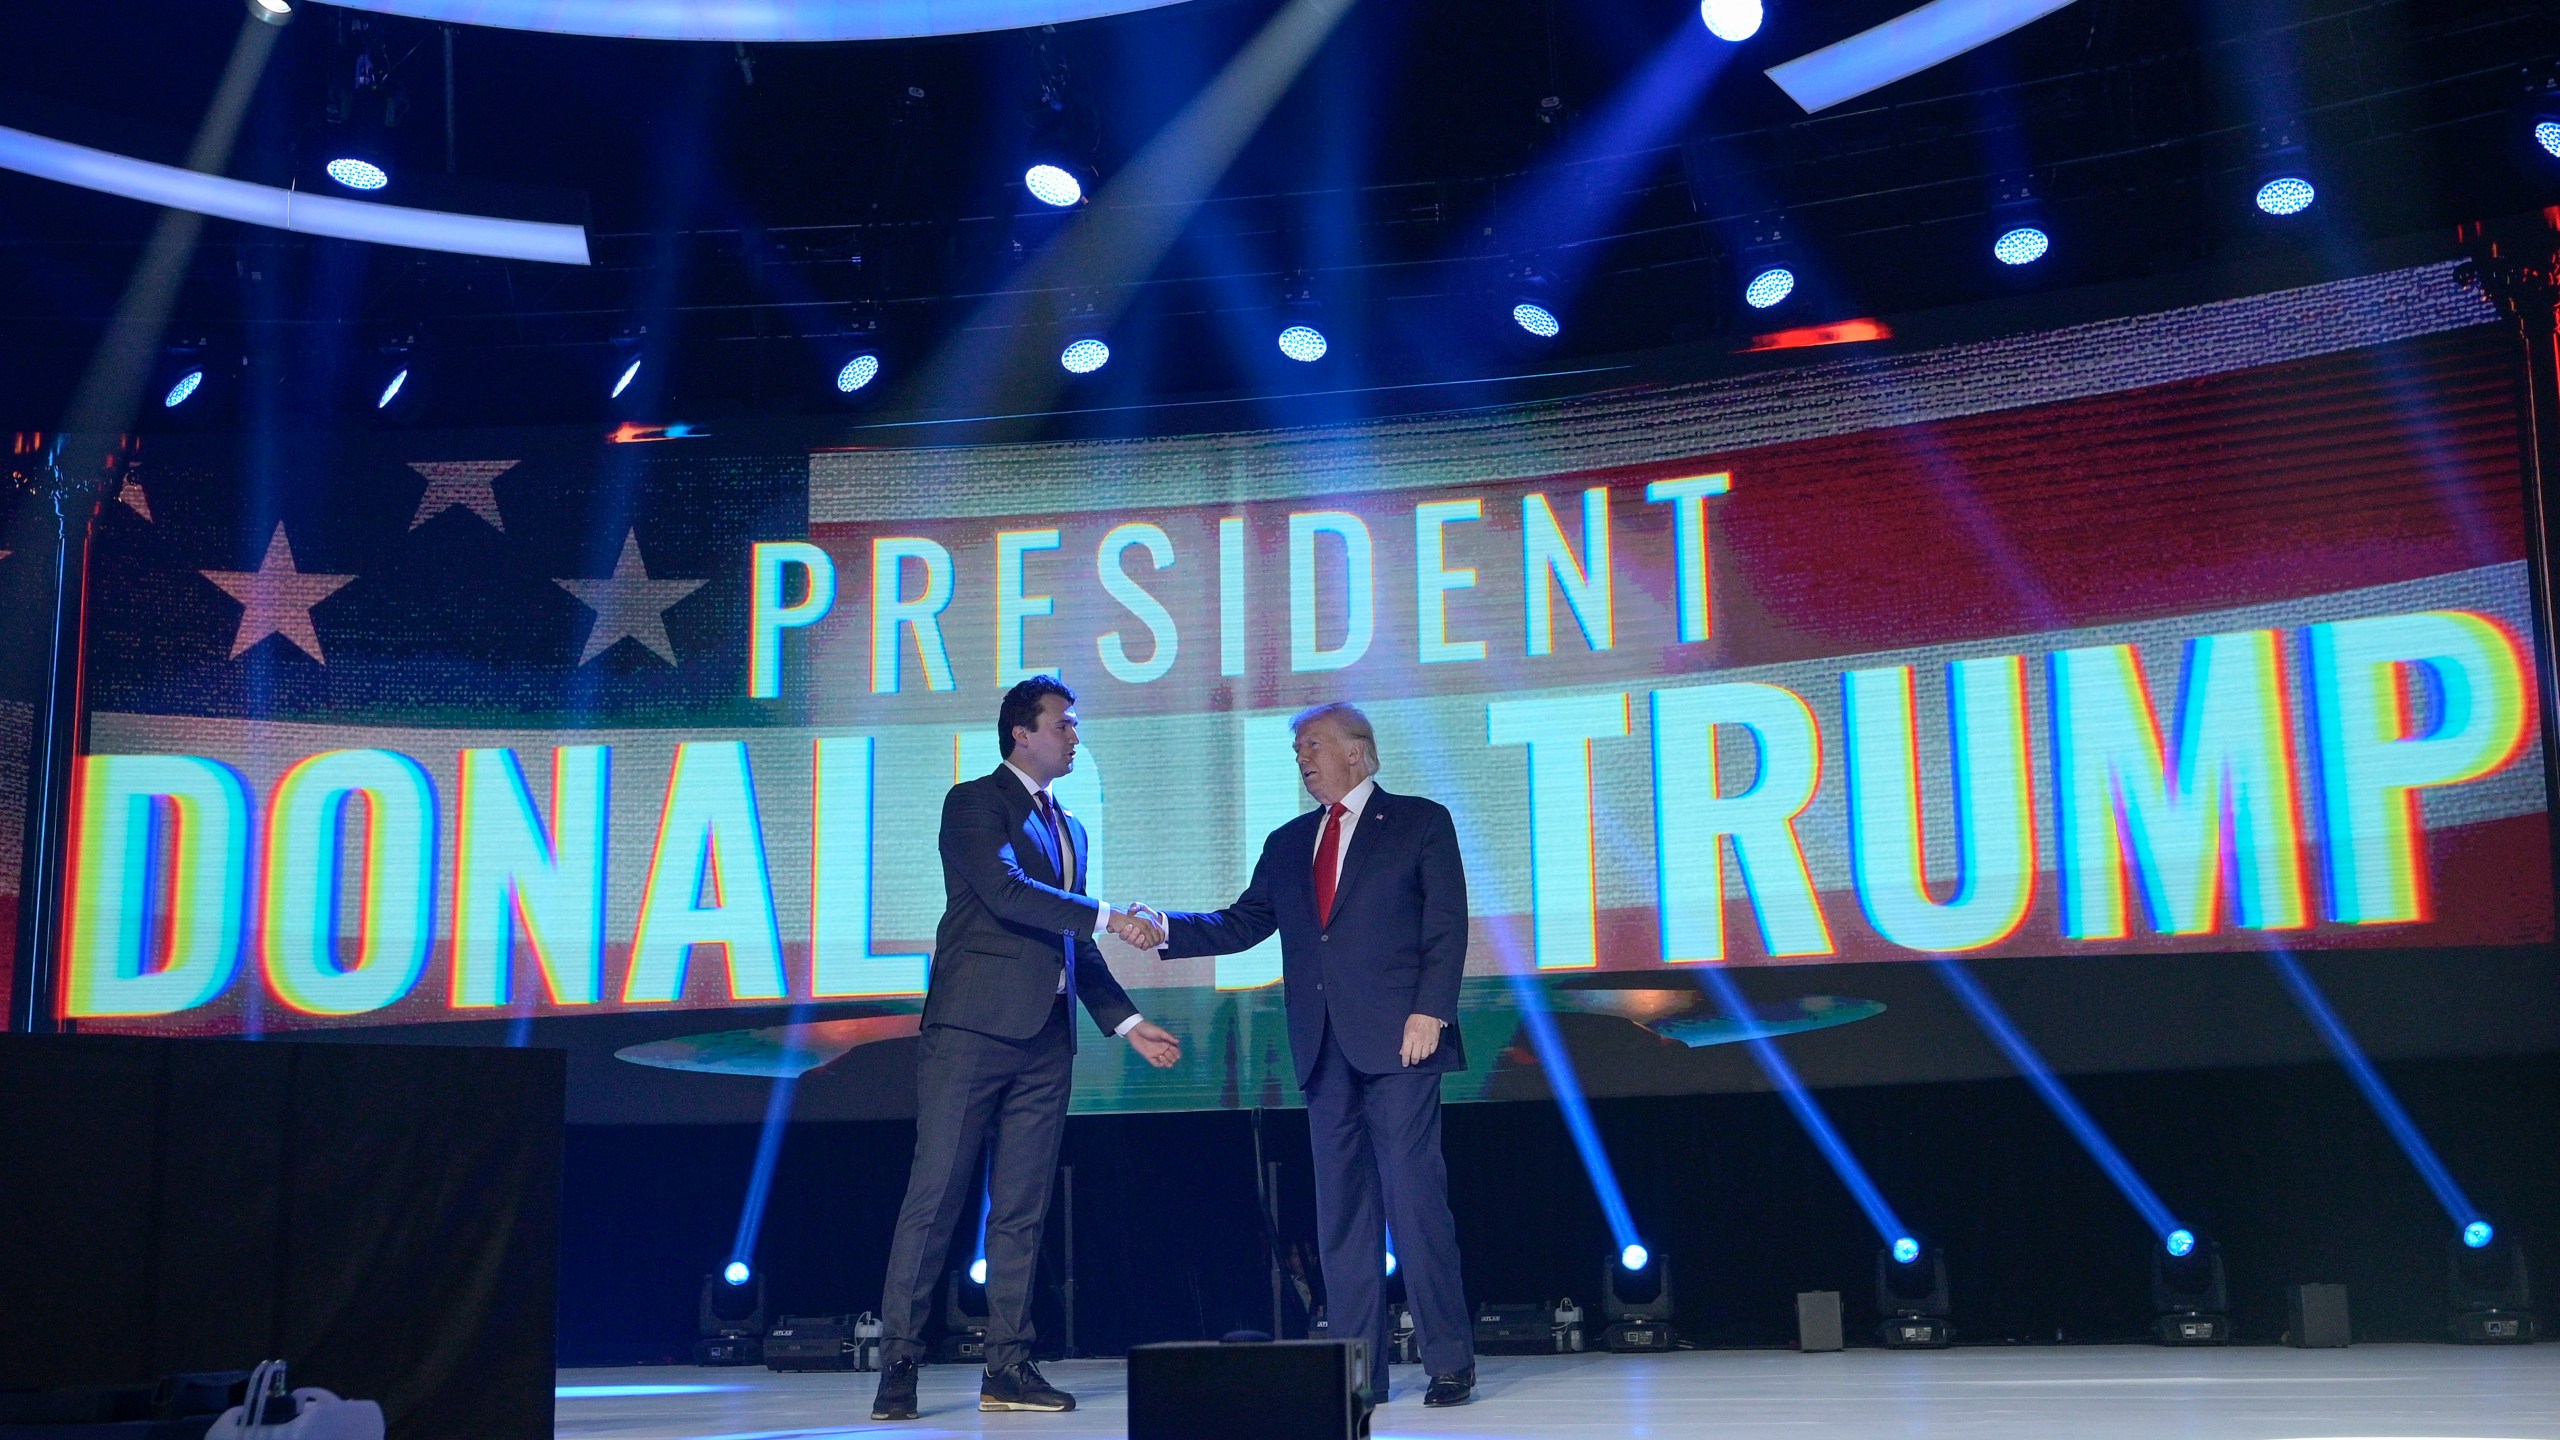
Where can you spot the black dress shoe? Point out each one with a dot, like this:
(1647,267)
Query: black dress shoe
(897,1397)
(1019,1387)
(1455,1388)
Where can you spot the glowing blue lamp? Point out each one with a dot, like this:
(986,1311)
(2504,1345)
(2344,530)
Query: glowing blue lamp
(736,1272)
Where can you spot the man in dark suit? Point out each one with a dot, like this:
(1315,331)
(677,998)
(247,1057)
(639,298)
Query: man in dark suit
(1370,898)
(998,1048)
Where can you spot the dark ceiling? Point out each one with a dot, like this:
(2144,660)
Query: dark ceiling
(747,206)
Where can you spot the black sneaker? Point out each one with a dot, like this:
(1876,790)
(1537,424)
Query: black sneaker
(1019,1387)
(1455,1388)
(897,1397)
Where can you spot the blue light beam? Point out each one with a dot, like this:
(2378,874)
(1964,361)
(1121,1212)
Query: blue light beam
(1809,1114)
(2065,1108)
(1901,47)
(2457,1206)
(1558,1063)
(777,1117)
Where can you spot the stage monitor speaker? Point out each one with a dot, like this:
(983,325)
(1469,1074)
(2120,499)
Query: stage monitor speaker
(1267,1390)
(2317,1317)
(1818,1321)
(812,1342)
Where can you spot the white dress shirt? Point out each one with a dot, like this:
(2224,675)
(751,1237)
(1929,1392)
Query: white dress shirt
(1067,852)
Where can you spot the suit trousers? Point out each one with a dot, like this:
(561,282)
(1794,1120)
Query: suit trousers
(1378,1168)
(1011,1096)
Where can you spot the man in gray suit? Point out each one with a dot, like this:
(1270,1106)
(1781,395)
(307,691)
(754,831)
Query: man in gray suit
(1016,943)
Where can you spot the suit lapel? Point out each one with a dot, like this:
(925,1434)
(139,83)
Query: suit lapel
(1026,824)
(1365,840)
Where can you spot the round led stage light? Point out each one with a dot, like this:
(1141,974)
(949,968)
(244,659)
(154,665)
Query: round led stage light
(1769,287)
(1053,185)
(1634,1257)
(2478,1234)
(183,391)
(2546,133)
(1083,357)
(2286,195)
(273,12)
(1905,1250)
(859,371)
(630,373)
(1303,343)
(1537,319)
(978,1271)
(1733,20)
(1391,1262)
(736,1272)
(2179,1243)
(358,174)
(391,391)
(2023,246)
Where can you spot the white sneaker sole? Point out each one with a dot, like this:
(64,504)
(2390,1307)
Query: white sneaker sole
(995,1405)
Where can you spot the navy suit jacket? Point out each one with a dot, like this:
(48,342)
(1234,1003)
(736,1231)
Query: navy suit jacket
(1395,946)
(1011,919)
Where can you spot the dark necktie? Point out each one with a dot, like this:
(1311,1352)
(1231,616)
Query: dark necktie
(1328,860)
(1057,835)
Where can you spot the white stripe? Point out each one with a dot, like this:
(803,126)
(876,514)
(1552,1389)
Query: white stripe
(1902,46)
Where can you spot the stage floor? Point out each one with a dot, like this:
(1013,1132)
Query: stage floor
(2444,1392)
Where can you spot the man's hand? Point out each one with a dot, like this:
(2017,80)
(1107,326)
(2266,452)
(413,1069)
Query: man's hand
(1138,926)
(1421,1038)
(1155,1043)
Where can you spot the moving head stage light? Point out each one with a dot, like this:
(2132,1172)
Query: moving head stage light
(1911,1290)
(1635,1295)
(732,1318)
(2190,1300)
(2492,1293)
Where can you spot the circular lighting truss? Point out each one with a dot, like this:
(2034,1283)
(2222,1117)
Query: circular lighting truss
(391,389)
(1731,20)
(2024,245)
(1905,1250)
(2180,1243)
(358,174)
(1053,185)
(1083,357)
(1303,343)
(1634,1257)
(1770,287)
(857,373)
(185,389)
(1537,319)
(736,1272)
(2478,1234)
(2286,195)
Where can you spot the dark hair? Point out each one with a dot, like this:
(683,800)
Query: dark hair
(1022,707)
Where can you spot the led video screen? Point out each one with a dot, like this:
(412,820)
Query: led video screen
(2196,634)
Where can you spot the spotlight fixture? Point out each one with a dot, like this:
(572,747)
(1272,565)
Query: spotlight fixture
(1303,343)
(964,1316)
(1391,1263)
(1769,288)
(1733,21)
(1053,185)
(2537,116)
(184,388)
(732,1318)
(1084,355)
(1905,1250)
(2284,186)
(2190,1299)
(1635,1295)
(978,1271)
(357,173)
(1912,1293)
(1767,262)
(2019,236)
(857,373)
(2491,1291)
(272,12)
(622,378)
(397,390)
(1537,317)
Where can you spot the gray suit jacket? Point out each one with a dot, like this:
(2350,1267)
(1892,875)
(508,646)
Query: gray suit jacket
(1012,919)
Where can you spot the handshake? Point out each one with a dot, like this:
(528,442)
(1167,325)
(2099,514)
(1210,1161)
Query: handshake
(1141,926)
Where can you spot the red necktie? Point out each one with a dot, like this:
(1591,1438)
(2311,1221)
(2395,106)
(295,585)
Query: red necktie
(1328,851)
(1057,832)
